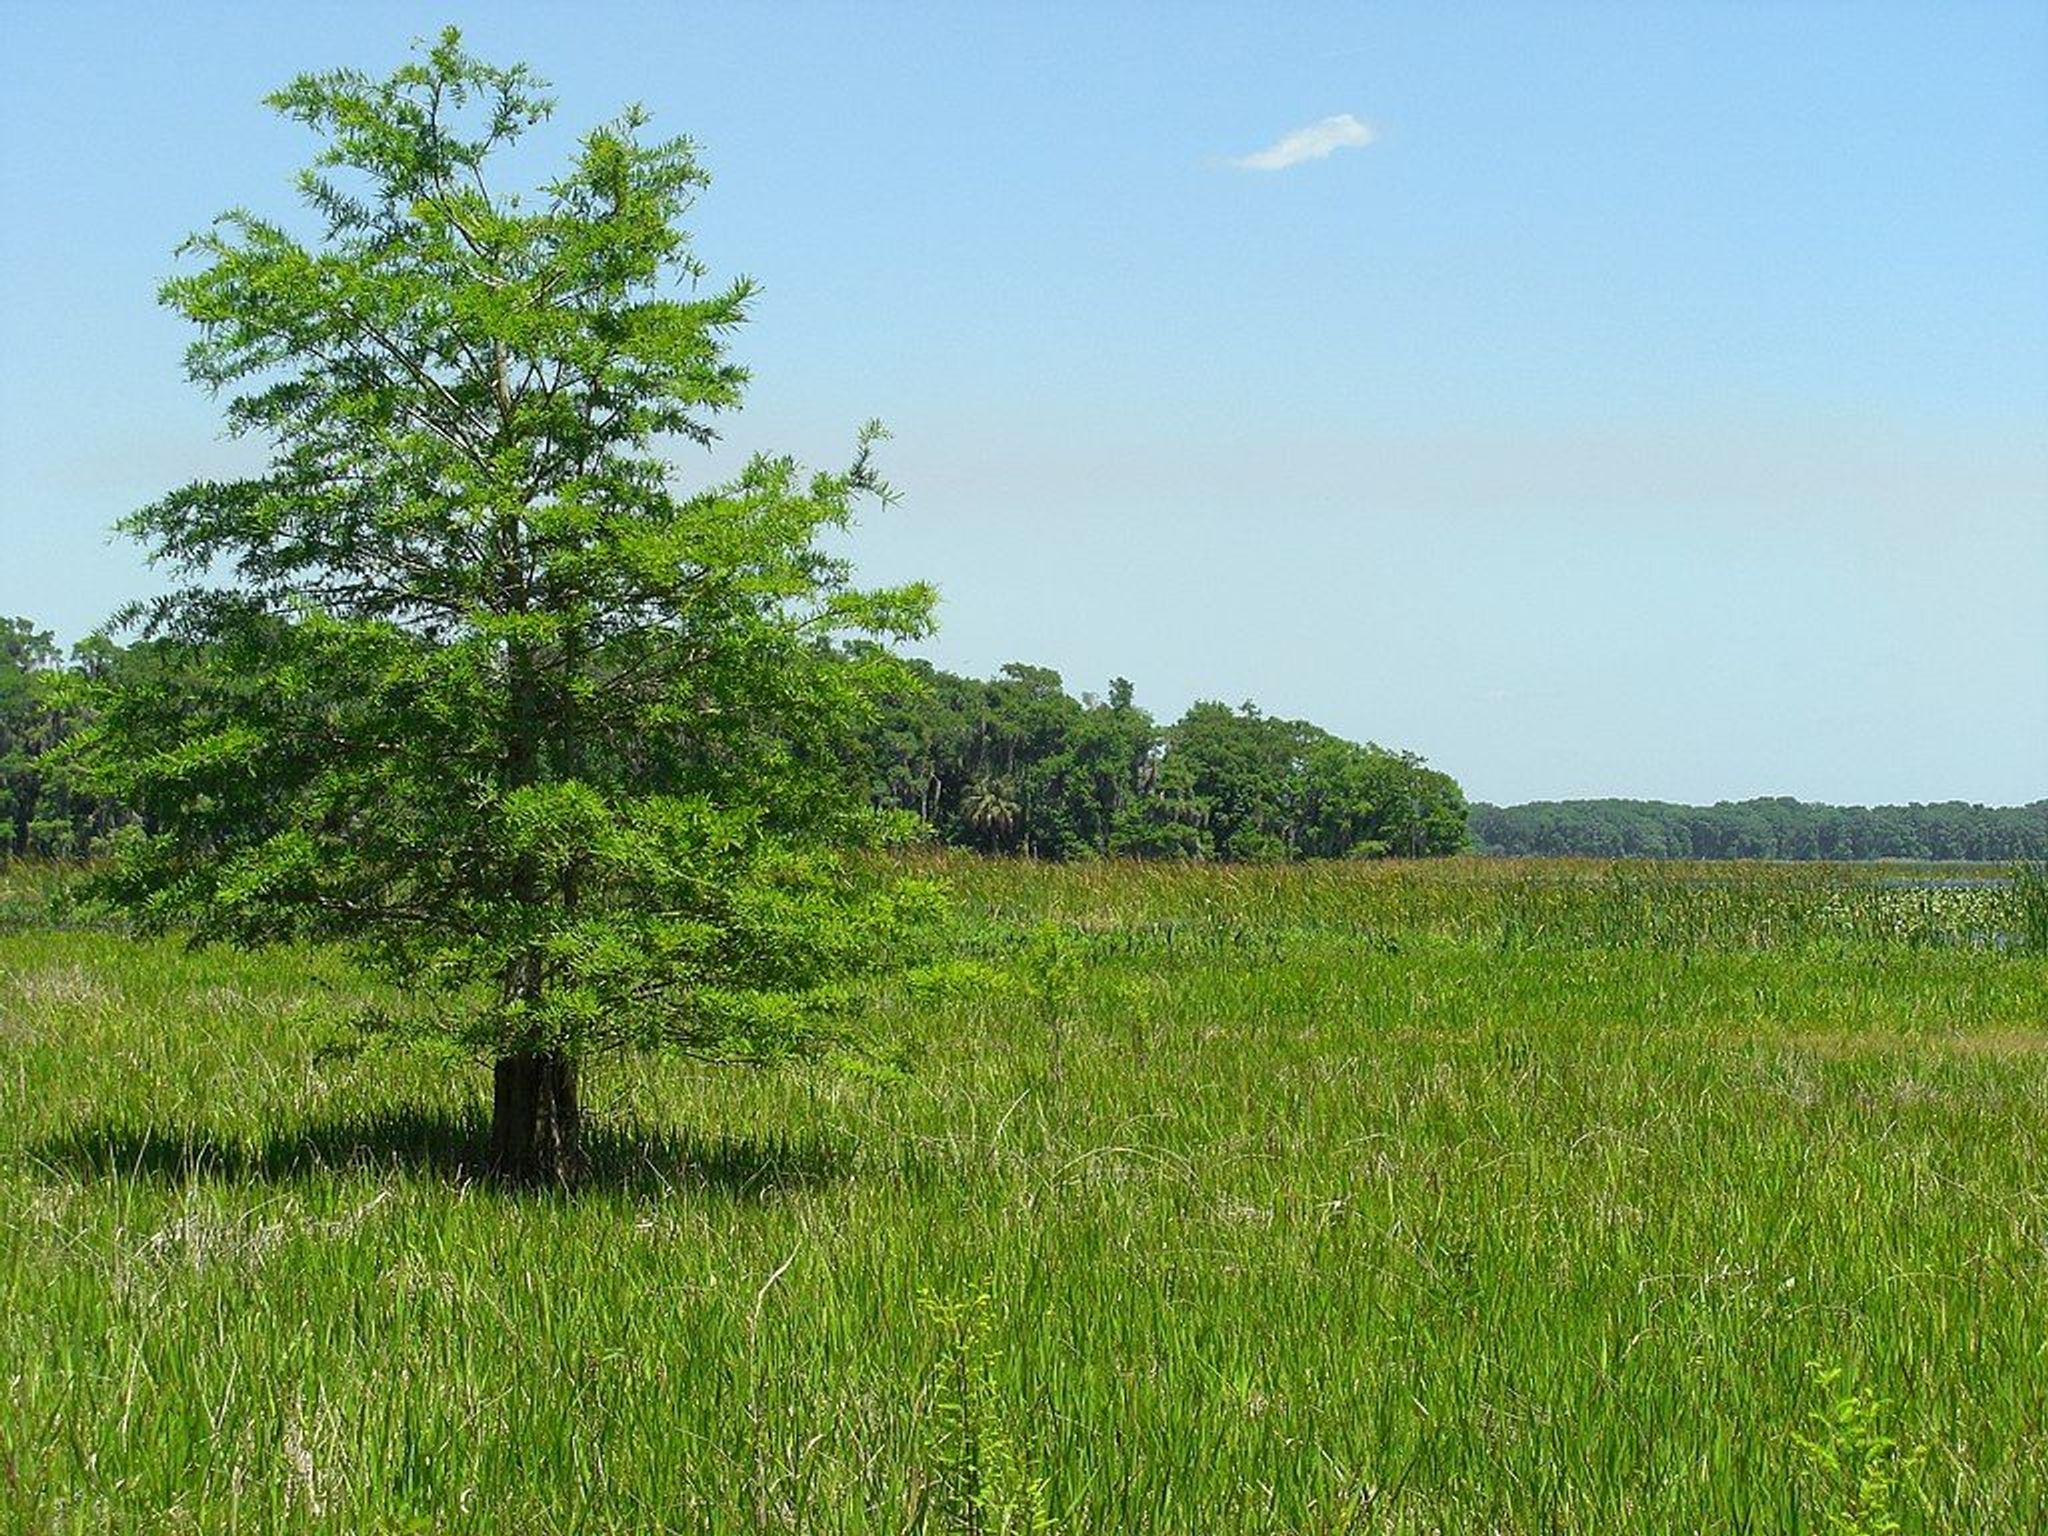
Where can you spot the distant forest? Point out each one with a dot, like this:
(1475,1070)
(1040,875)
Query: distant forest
(1763,829)
(1016,764)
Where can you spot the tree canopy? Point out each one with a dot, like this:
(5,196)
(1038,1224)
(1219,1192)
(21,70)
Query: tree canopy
(466,680)
(1018,765)
(1764,829)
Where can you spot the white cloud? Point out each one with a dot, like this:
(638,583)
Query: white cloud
(1311,143)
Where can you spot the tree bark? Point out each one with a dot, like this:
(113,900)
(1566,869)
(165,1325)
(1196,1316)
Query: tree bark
(536,1123)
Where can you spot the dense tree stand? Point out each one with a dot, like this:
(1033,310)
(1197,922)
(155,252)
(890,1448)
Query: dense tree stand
(536,1124)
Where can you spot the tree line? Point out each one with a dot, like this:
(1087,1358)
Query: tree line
(43,810)
(1017,764)
(1014,764)
(1777,828)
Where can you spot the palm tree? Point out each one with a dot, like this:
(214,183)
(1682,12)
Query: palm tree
(989,808)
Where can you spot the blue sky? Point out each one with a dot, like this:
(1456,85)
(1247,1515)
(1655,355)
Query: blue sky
(1657,404)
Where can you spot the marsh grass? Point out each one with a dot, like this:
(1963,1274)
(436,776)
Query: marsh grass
(2030,905)
(1475,1197)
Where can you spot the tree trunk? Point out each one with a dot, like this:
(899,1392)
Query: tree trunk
(536,1126)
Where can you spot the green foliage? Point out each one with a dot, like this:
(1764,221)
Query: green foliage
(487,698)
(44,810)
(1864,1474)
(981,1480)
(1050,973)
(26,657)
(1275,789)
(1017,765)
(1763,829)
(2030,902)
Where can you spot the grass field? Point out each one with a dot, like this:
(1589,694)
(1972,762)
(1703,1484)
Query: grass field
(1476,1197)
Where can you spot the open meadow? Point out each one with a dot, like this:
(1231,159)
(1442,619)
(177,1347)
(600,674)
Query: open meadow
(1476,1196)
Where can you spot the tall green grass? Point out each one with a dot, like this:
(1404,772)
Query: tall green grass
(1475,1197)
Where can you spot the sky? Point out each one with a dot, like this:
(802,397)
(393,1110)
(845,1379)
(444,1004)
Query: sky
(1625,399)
